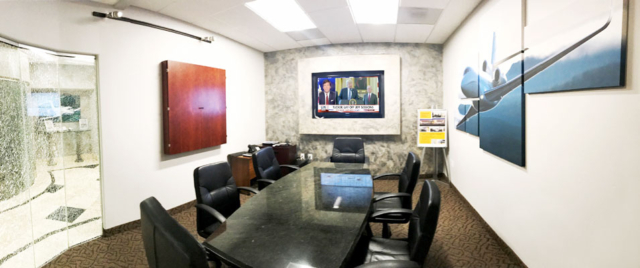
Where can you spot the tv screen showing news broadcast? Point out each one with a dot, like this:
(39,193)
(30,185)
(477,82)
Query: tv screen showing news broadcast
(354,94)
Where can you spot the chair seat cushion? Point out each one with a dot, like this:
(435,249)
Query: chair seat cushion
(389,203)
(209,230)
(381,249)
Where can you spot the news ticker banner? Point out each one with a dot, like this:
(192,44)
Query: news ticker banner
(432,128)
(348,108)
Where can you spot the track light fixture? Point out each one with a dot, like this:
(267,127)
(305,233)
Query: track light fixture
(115,14)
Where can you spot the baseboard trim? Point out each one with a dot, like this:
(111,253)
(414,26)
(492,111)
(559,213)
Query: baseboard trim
(136,224)
(510,253)
(430,176)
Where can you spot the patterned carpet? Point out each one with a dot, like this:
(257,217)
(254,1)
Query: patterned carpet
(461,239)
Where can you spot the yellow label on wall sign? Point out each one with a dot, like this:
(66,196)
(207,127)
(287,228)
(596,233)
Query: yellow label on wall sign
(425,115)
(426,137)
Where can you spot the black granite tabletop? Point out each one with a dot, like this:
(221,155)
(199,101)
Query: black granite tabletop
(297,221)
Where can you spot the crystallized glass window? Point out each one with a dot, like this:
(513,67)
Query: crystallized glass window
(50,198)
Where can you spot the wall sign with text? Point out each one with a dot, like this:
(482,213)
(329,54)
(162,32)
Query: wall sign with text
(432,128)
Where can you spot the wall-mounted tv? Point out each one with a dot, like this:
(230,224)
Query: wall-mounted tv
(353,94)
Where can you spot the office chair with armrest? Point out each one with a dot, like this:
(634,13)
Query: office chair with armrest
(422,228)
(267,167)
(407,180)
(166,242)
(348,150)
(217,196)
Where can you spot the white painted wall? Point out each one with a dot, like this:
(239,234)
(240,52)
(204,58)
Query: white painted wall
(576,204)
(134,166)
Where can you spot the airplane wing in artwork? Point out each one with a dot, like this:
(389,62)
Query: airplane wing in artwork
(551,60)
(472,111)
(509,57)
(504,89)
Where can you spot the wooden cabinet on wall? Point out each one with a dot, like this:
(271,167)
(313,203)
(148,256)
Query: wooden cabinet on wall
(194,104)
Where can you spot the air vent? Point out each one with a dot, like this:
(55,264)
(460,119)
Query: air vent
(414,15)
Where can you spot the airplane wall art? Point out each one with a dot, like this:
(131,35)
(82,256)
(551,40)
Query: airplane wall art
(582,51)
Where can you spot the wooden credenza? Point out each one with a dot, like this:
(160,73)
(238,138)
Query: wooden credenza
(286,154)
(241,168)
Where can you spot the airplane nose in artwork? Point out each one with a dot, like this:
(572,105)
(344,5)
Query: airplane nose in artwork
(463,108)
(469,83)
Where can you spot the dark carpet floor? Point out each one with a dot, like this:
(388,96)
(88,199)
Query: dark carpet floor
(461,239)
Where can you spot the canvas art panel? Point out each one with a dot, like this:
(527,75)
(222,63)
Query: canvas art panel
(583,50)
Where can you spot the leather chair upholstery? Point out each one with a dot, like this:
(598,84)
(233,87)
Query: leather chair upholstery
(166,242)
(215,190)
(267,168)
(407,180)
(422,228)
(348,150)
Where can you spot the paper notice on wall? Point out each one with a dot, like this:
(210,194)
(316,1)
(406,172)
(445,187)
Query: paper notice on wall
(432,128)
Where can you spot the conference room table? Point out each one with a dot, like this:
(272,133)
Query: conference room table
(312,217)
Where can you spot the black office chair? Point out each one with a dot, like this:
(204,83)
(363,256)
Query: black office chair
(402,199)
(217,195)
(267,168)
(422,228)
(166,242)
(348,150)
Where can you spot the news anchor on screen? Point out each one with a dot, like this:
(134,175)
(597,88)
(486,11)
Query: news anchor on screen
(348,93)
(370,98)
(327,96)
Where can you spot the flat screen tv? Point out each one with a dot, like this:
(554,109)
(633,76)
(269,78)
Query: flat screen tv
(353,94)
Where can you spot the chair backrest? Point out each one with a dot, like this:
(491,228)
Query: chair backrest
(423,223)
(348,150)
(215,187)
(409,178)
(266,165)
(166,242)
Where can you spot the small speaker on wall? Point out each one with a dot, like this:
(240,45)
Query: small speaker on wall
(195,110)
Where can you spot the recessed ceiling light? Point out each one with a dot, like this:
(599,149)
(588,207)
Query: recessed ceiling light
(374,11)
(284,15)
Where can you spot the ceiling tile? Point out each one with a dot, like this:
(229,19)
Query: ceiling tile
(240,37)
(199,8)
(439,4)
(377,32)
(341,35)
(155,5)
(412,33)
(336,17)
(267,34)
(314,42)
(107,2)
(414,15)
(337,25)
(249,23)
(306,34)
(317,5)
(450,19)
(240,16)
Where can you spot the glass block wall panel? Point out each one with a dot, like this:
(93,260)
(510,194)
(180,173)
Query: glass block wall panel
(50,198)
